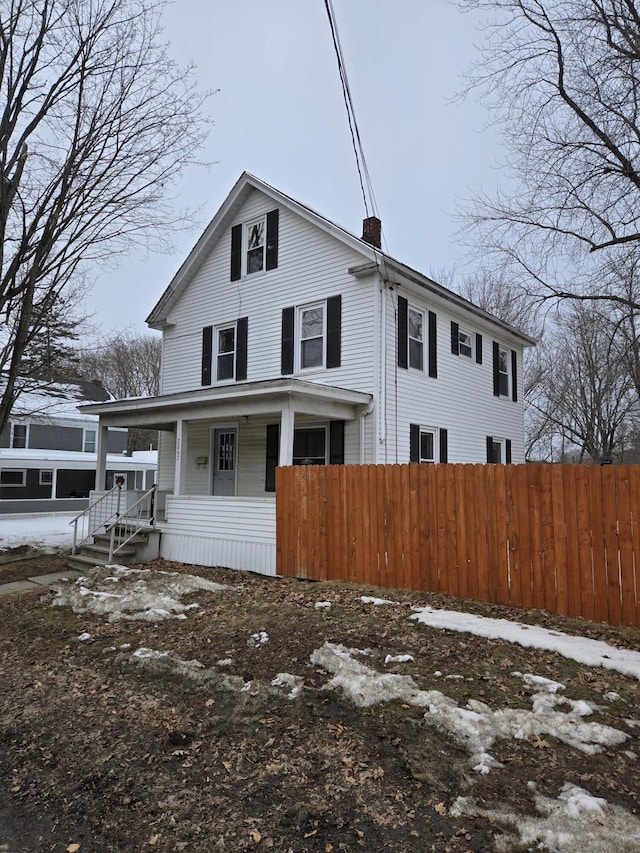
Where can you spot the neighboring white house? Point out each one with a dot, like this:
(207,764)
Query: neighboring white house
(48,451)
(287,340)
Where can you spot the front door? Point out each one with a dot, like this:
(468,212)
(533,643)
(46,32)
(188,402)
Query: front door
(225,443)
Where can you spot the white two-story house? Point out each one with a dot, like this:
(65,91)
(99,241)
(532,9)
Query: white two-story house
(287,341)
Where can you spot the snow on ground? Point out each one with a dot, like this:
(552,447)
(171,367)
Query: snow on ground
(135,594)
(49,533)
(575,822)
(581,649)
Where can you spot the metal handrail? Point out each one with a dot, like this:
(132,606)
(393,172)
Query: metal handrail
(129,524)
(86,514)
(106,518)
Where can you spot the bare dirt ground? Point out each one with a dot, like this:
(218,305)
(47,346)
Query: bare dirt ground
(101,755)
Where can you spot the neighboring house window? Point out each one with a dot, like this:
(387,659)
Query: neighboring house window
(13,477)
(417,333)
(89,443)
(231,343)
(498,450)
(254,245)
(19,436)
(428,444)
(505,372)
(464,342)
(46,478)
(310,446)
(312,336)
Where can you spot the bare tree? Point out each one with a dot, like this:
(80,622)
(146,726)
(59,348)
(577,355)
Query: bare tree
(562,80)
(584,394)
(96,122)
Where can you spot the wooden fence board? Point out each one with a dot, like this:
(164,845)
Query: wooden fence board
(566,538)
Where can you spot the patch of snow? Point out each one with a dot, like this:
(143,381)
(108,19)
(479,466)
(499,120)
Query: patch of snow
(292,683)
(258,639)
(612,697)
(544,685)
(575,822)
(581,649)
(320,605)
(377,602)
(84,637)
(48,533)
(398,658)
(224,662)
(142,595)
(476,727)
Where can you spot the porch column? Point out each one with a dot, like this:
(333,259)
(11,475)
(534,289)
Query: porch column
(101,457)
(181,456)
(287,421)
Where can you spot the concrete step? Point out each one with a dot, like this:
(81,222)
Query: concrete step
(102,550)
(105,538)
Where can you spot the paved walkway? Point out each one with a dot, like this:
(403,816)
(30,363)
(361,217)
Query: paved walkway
(37,582)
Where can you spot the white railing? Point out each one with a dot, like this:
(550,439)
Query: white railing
(104,515)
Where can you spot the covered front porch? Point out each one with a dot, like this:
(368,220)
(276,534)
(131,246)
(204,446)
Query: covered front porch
(218,451)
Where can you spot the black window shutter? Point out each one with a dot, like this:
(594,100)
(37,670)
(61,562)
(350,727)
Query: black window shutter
(478,348)
(334,331)
(455,338)
(489,448)
(514,376)
(496,369)
(444,445)
(414,442)
(507,451)
(207,349)
(272,239)
(236,252)
(287,346)
(433,346)
(242,333)
(273,454)
(403,332)
(336,442)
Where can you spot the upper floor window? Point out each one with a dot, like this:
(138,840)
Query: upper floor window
(254,245)
(505,372)
(312,333)
(417,338)
(89,443)
(226,356)
(312,336)
(224,352)
(465,342)
(19,436)
(255,239)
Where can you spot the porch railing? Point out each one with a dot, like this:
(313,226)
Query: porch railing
(105,515)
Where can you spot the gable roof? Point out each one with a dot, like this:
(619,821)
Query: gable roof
(372,257)
(58,399)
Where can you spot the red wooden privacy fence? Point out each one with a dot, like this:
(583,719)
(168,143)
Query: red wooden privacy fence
(565,538)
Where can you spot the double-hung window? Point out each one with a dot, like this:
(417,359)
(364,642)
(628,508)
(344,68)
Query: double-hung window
(416,339)
(311,320)
(427,445)
(255,234)
(465,343)
(89,443)
(226,353)
(503,372)
(19,436)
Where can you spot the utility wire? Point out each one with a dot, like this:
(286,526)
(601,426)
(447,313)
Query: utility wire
(361,163)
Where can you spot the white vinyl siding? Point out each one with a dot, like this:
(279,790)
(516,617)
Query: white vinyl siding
(312,265)
(459,400)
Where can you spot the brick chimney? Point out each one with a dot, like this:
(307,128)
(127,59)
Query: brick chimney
(372,231)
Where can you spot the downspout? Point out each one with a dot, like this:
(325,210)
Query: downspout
(363,414)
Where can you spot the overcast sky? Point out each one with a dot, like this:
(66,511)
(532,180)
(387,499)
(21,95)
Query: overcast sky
(279,114)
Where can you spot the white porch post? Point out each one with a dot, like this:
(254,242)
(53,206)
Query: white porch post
(101,457)
(181,456)
(287,421)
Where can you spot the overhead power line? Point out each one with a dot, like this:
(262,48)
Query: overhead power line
(361,163)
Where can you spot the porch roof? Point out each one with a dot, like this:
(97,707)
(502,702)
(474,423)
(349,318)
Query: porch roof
(228,401)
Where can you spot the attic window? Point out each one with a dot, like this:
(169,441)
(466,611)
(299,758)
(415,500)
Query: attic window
(255,234)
